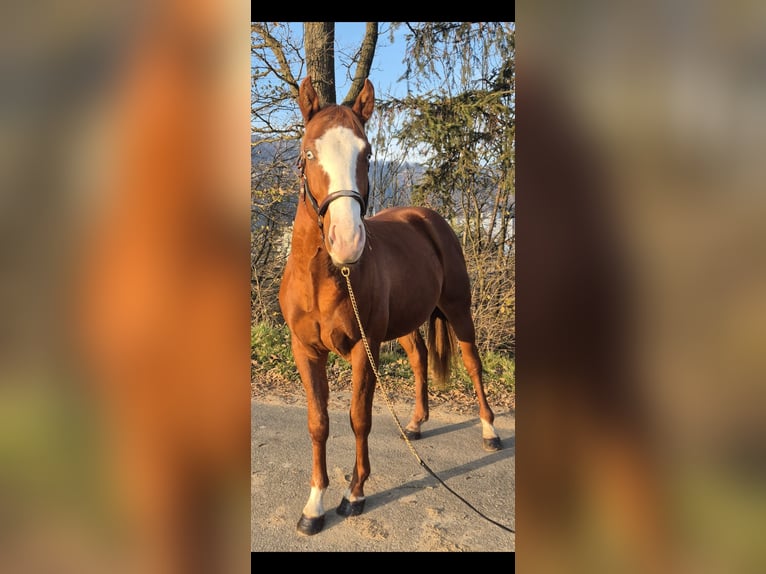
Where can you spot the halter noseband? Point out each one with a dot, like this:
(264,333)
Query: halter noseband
(321,208)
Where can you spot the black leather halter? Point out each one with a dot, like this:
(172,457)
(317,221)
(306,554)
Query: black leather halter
(321,208)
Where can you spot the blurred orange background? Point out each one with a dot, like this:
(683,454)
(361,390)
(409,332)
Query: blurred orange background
(124,435)
(124,366)
(641,290)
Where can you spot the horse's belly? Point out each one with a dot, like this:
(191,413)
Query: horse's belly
(392,334)
(408,313)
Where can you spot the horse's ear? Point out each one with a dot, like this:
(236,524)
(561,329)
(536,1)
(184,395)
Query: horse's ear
(308,101)
(365,101)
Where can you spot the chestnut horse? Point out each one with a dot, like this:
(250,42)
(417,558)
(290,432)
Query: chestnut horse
(406,267)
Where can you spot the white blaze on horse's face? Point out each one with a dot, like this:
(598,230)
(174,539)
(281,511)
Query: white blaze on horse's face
(338,151)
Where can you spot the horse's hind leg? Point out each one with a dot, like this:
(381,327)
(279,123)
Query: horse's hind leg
(417,354)
(473,365)
(459,317)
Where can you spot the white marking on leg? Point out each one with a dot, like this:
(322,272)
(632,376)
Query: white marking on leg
(487,430)
(350,498)
(413,426)
(315,507)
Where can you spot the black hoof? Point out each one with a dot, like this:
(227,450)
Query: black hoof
(310,526)
(492,444)
(411,434)
(347,508)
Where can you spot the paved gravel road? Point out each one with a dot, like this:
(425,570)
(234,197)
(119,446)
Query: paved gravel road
(407,509)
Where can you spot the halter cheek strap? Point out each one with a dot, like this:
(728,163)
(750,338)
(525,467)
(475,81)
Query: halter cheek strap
(338,194)
(321,208)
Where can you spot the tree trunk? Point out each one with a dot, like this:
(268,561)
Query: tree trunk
(319,43)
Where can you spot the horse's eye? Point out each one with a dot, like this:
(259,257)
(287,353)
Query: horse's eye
(369,156)
(309,154)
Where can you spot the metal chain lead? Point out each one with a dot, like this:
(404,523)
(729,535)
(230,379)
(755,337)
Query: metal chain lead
(346,272)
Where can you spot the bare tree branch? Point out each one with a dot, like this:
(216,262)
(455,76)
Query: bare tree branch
(363,66)
(284,72)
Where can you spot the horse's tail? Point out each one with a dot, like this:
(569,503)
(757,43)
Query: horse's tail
(441,346)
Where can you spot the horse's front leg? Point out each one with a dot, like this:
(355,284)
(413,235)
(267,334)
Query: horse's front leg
(360,414)
(312,367)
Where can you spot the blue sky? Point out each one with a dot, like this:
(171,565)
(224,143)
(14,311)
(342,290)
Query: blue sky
(387,66)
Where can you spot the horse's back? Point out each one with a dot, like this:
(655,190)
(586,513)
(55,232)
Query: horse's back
(415,223)
(420,232)
(421,239)
(408,213)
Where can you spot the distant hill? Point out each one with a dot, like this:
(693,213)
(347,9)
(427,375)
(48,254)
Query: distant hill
(266,152)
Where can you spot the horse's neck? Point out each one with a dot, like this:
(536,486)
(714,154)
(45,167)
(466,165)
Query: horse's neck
(306,245)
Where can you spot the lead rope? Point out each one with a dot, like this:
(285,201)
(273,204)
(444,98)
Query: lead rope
(346,272)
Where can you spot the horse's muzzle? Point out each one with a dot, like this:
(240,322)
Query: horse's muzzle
(345,245)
